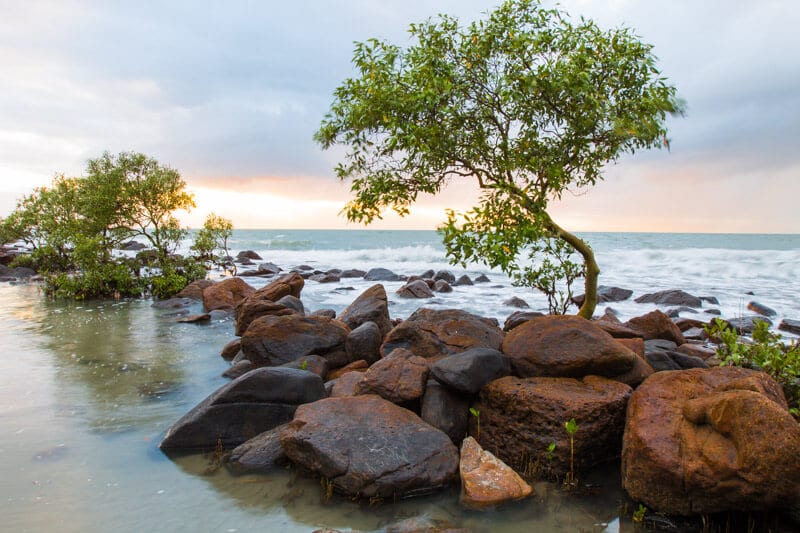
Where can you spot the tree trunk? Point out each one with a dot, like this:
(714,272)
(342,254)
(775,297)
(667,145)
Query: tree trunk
(592,271)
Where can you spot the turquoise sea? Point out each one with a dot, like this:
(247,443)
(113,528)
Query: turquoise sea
(87,389)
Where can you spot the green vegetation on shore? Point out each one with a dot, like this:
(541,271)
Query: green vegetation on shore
(526,103)
(73,226)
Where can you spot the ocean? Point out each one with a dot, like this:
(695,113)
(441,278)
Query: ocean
(88,389)
(734,268)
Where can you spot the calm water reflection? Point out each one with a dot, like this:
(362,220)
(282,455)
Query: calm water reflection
(87,391)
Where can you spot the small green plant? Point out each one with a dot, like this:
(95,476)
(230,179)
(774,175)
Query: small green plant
(304,365)
(477,414)
(767,352)
(639,514)
(572,428)
(549,453)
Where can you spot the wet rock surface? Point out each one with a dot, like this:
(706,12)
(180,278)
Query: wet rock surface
(486,481)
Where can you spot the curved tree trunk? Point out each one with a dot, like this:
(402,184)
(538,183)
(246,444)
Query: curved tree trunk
(591,269)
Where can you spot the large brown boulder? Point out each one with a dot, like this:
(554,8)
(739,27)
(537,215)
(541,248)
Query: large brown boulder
(252,308)
(195,289)
(370,306)
(434,333)
(275,340)
(565,346)
(399,377)
(226,294)
(487,481)
(520,418)
(711,440)
(656,325)
(367,446)
(415,289)
(289,284)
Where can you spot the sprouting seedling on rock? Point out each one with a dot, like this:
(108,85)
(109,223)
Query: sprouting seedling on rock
(572,428)
(304,365)
(477,414)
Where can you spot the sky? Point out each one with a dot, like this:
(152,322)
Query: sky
(231,93)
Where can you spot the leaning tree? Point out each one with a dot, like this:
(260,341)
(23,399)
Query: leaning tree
(525,102)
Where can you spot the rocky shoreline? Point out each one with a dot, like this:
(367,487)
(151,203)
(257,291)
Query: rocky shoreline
(378,407)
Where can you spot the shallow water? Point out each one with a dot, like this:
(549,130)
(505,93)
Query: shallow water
(88,390)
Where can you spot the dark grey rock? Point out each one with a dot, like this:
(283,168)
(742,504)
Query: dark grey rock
(710,299)
(715,312)
(428,274)
(519,317)
(606,294)
(790,326)
(262,453)
(371,306)
(238,369)
(483,278)
(269,268)
(675,312)
(442,286)
(364,342)
(445,410)
(469,371)
(415,289)
(248,254)
(312,363)
(381,274)
(746,324)
(353,273)
(292,302)
(463,280)
(174,303)
(670,297)
(661,361)
(446,275)
(516,302)
(327,313)
(325,278)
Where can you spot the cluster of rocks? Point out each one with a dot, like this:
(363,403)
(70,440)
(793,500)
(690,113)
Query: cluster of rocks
(379,407)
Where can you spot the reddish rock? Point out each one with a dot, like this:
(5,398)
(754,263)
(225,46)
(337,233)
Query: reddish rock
(289,284)
(398,377)
(230,350)
(434,333)
(697,350)
(275,340)
(520,418)
(226,294)
(415,289)
(370,306)
(355,366)
(656,325)
(487,481)
(711,440)
(252,308)
(194,319)
(617,329)
(195,289)
(348,384)
(369,447)
(565,346)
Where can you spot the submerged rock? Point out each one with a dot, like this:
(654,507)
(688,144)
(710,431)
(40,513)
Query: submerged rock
(711,440)
(486,481)
(259,454)
(369,447)
(606,294)
(670,297)
(415,289)
(381,274)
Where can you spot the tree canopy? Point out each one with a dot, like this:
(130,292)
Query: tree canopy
(525,102)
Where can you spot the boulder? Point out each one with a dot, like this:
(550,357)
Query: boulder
(238,369)
(520,418)
(685,324)
(711,440)
(656,325)
(745,325)
(519,303)
(415,289)
(353,273)
(697,350)
(369,447)
(312,363)
(486,481)
(360,366)
(364,342)
(670,297)
(616,329)
(442,286)
(518,317)
(445,409)
(288,284)
(605,294)
(761,309)
(445,275)
(327,313)
(195,289)
(194,319)
(270,268)
(248,254)
(226,294)
(251,404)
(463,280)
(174,303)
(469,371)
(325,278)
(381,274)
(565,346)
(399,377)
(483,278)
(230,350)
(347,384)
(252,308)
(434,333)
(790,326)
(371,306)
(262,453)
(274,340)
